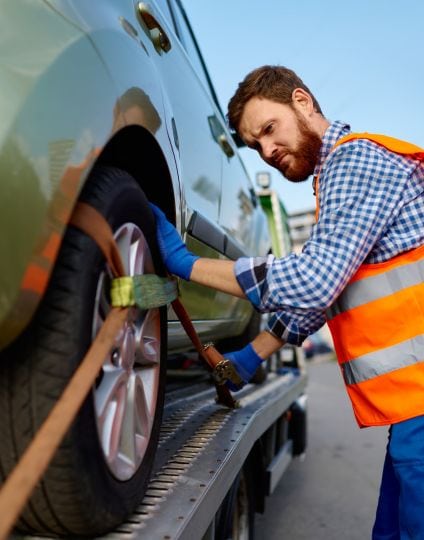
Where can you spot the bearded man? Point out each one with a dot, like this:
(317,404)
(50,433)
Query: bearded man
(361,271)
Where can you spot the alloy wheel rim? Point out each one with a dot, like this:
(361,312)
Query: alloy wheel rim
(126,390)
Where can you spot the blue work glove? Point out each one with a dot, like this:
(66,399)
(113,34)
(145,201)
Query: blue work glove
(176,257)
(246,362)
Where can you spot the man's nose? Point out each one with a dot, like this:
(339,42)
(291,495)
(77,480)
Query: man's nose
(268,149)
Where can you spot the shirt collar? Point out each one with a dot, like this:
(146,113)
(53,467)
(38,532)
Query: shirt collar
(333,133)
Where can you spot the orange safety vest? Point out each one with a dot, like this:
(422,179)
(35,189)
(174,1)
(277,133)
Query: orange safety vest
(377,325)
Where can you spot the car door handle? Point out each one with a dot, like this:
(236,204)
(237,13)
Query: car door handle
(219,135)
(155,32)
(225,145)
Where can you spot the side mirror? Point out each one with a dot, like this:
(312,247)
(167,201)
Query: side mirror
(237,139)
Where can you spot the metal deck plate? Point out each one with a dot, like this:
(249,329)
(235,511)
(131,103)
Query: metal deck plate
(194,467)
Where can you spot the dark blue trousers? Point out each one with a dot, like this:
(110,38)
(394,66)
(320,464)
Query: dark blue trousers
(400,510)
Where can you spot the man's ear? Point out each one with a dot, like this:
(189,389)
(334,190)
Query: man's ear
(302,101)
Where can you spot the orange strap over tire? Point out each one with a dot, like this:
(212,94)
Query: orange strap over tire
(36,458)
(20,483)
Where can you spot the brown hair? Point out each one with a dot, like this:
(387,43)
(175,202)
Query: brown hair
(271,82)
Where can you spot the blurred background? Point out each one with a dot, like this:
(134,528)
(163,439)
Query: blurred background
(362,60)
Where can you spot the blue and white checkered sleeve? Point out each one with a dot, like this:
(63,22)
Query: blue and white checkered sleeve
(291,327)
(360,194)
(295,329)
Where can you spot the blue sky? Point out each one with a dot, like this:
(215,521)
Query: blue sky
(363,60)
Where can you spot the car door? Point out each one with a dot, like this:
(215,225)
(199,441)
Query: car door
(240,218)
(211,234)
(198,154)
(191,107)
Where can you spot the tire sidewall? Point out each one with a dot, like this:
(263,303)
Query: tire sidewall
(123,203)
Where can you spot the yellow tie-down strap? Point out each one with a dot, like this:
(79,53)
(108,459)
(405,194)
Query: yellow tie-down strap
(146,291)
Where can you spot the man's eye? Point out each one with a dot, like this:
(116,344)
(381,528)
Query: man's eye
(253,145)
(269,128)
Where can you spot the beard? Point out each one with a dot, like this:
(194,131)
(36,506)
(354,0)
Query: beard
(305,156)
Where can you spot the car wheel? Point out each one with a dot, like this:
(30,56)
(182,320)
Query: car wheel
(102,467)
(298,431)
(235,519)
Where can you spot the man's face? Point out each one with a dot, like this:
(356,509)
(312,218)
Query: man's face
(282,137)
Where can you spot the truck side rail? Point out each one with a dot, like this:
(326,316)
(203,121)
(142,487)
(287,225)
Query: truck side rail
(185,493)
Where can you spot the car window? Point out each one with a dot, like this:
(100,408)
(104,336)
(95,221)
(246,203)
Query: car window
(192,48)
(166,12)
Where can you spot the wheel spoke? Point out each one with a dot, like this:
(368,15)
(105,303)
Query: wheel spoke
(148,342)
(136,427)
(109,388)
(110,400)
(133,249)
(138,256)
(127,450)
(149,378)
(102,303)
(124,240)
(127,391)
(144,405)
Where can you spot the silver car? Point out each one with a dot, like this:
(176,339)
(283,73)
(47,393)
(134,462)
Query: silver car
(107,103)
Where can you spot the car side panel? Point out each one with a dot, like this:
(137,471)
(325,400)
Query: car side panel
(52,135)
(66,102)
(56,131)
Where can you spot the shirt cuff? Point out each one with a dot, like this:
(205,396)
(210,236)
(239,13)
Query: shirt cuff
(250,273)
(283,327)
(293,328)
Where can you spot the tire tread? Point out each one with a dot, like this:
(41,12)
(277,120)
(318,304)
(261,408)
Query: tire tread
(34,372)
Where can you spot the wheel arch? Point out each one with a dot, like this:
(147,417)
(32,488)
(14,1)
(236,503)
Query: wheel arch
(136,151)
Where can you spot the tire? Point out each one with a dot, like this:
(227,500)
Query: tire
(100,472)
(235,520)
(298,431)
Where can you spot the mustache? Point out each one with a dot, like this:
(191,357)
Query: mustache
(277,157)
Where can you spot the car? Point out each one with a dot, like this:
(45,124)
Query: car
(110,105)
(315,345)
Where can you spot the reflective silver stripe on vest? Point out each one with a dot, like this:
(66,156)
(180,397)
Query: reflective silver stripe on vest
(375,287)
(383,361)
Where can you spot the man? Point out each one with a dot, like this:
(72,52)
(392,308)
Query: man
(361,271)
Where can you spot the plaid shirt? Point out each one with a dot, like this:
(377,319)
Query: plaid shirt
(371,208)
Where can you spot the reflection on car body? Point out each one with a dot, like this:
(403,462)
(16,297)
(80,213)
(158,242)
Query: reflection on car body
(112,107)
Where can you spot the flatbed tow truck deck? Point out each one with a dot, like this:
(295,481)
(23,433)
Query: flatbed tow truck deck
(202,445)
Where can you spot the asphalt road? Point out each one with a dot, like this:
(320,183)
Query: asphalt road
(332,493)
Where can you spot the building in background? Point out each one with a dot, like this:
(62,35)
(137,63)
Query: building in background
(300,224)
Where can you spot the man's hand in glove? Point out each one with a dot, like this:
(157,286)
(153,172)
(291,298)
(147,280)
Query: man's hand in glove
(176,257)
(246,361)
